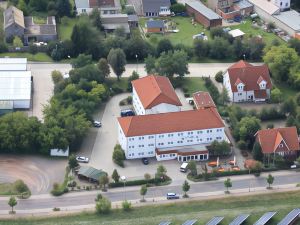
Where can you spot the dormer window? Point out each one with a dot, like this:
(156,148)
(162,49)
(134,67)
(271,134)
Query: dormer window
(263,84)
(240,87)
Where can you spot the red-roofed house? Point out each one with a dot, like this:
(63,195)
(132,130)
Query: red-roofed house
(246,82)
(282,141)
(154,94)
(203,100)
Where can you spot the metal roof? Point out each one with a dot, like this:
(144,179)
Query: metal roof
(201,8)
(154,5)
(215,221)
(165,223)
(243,4)
(289,218)
(155,24)
(290,18)
(265,218)
(133,18)
(239,219)
(265,5)
(189,222)
(90,172)
(82,3)
(13,64)
(15,85)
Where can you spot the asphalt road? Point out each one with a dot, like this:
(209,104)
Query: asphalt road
(132,193)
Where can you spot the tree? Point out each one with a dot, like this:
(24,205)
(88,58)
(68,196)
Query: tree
(56,76)
(161,172)
(280,59)
(96,19)
(143,192)
(23,6)
(257,152)
(150,64)
(185,188)
(224,97)
(12,202)
(134,76)
(177,8)
(117,59)
(181,65)
(81,61)
(192,166)
(126,205)
(21,187)
(164,45)
(103,206)
(276,95)
(120,32)
(295,44)
(115,176)
(98,197)
(147,177)
(17,42)
(227,184)
(118,156)
(289,106)
(63,8)
(72,162)
(201,48)
(219,148)
(270,180)
(104,67)
(219,77)
(103,181)
(247,128)
(220,48)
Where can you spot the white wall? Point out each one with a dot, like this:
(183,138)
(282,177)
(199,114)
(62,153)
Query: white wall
(21,104)
(84,11)
(226,83)
(282,4)
(137,104)
(163,108)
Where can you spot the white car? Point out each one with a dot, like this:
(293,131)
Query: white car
(97,123)
(82,159)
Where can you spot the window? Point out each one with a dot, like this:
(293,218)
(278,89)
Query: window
(281,146)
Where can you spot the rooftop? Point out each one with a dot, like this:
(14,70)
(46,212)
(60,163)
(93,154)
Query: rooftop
(203,99)
(236,33)
(40,29)
(155,24)
(208,13)
(154,5)
(266,5)
(291,18)
(13,64)
(13,15)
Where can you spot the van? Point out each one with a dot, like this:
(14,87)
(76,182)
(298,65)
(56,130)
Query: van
(183,167)
(127,112)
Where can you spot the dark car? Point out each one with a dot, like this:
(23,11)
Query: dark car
(127,112)
(172,196)
(145,161)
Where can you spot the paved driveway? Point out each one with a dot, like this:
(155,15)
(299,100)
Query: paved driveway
(39,173)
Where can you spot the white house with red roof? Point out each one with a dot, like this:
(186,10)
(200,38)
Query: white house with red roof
(246,82)
(281,141)
(162,130)
(154,94)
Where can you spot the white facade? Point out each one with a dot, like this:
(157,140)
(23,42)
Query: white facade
(282,4)
(13,64)
(161,108)
(145,146)
(84,11)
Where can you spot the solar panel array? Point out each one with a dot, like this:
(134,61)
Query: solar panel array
(290,217)
(165,223)
(239,219)
(189,222)
(265,218)
(215,221)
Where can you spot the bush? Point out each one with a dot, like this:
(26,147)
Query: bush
(3,47)
(242,145)
(276,95)
(103,206)
(271,114)
(116,89)
(187,95)
(177,8)
(219,77)
(118,156)
(122,103)
(212,89)
(155,181)
(57,190)
(126,206)
(129,100)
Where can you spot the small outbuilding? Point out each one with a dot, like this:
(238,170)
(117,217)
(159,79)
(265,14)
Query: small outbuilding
(90,173)
(155,26)
(236,33)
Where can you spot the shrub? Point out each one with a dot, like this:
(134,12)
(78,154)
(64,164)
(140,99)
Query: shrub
(103,206)
(55,209)
(122,103)
(242,145)
(129,100)
(57,190)
(185,89)
(155,181)
(126,206)
(118,155)
(219,77)
(276,95)
(270,126)
(116,89)
(187,95)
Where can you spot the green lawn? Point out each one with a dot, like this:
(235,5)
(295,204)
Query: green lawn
(7,189)
(39,57)
(194,84)
(251,31)
(65,28)
(286,90)
(185,34)
(228,207)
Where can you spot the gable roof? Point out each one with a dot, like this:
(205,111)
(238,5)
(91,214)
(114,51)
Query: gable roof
(249,75)
(171,122)
(269,139)
(201,8)
(154,90)
(203,99)
(155,24)
(154,5)
(266,6)
(13,15)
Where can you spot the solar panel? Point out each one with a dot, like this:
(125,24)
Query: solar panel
(189,222)
(165,223)
(290,218)
(215,221)
(265,218)
(239,219)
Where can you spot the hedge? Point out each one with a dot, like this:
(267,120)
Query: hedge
(137,182)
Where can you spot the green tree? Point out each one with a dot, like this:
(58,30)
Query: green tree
(98,197)
(103,181)
(257,152)
(104,67)
(161,172)
(118,156)
(115,176)
(247,128)
(103,206)
(96,19)
(280,59)
(219,148)
(12,202)
(177,8)
(143,192)
(220,48)
(81,61)
(181,65)
(134,76)
(289,106)
(72,162)
(227,184)
(150,64)
(21,187)
(270,180)
(117,59)
(185,188)
(147,177)
(23,6)
(164,45)
(17,42)
(126,205)
(63,8)
(192,166)
(219,77)
(224,97)
(56,76)
(276,95)
(201,48)
(295,44)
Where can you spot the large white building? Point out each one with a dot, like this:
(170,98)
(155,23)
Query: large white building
(282,4)
(245,82)
(165,132)
(154,94)
(15,84)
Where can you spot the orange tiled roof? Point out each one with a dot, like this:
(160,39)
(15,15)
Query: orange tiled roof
(249,75)
(171,122)
(154,90)
(203,99)
(269,139)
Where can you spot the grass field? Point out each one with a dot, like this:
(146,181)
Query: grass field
(39,57)
(65,28)
(286,90)
(7,189)
(194,84)
(177,213)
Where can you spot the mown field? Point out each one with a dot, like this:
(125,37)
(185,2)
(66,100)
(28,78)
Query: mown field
(228,207)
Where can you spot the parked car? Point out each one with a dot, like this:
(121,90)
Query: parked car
(82,159)
(145,161)
(172,196)
(97,123)
(127,112)
(183,167)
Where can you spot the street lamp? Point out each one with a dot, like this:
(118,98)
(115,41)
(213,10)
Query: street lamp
(249,180)
(244,57)
(137,62)
(123,178)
